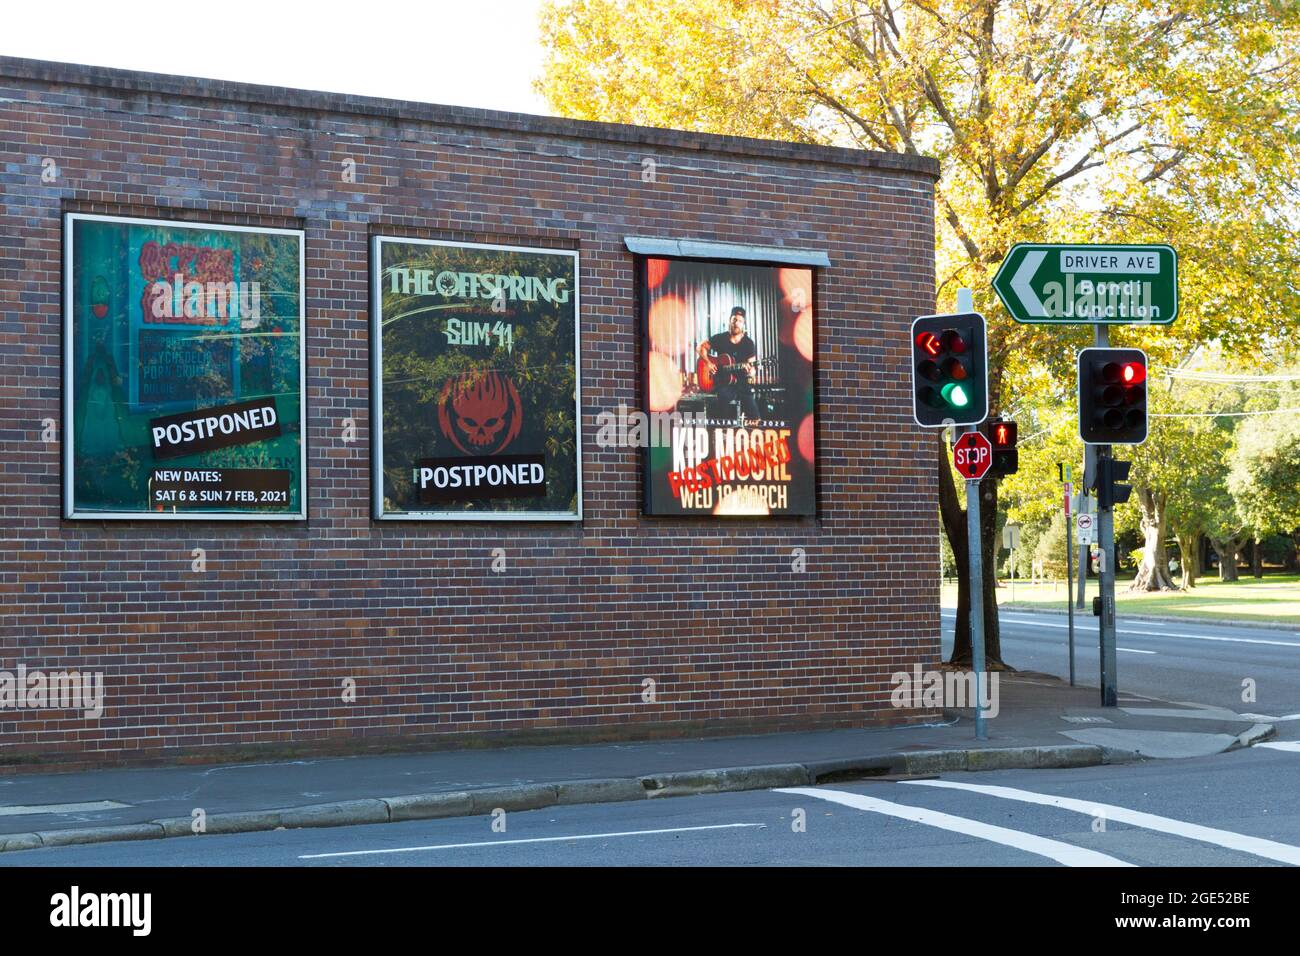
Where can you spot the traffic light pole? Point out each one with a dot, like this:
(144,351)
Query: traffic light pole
(1069,572)
(1106,538)
(975,557)
(1106,534)
(1089,472)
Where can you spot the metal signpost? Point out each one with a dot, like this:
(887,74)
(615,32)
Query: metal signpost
(1085,506)
(1063,472)
(1098,285)
(1011,540)
(973,461)
(1106,586)
(949,390)
(974,552)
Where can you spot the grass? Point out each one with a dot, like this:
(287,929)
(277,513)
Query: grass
(1275,598)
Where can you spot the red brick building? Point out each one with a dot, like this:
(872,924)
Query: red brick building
(741,625)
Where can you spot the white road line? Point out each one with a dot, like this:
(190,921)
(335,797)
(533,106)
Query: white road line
(1207,637)
(17,811)
(1190,637)
(1133,650)
(1290,745)
(1065,853)
(1268,849)
(559,839)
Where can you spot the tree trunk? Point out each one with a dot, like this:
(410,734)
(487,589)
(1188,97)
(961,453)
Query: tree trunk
(954,526)
(1229,550)
(1257,558)
(1228,562)
(1228,567)
(1189,556)
(1153,574)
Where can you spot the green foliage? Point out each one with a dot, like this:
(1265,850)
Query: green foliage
(1132,121)
(1265,475)
(1049,550)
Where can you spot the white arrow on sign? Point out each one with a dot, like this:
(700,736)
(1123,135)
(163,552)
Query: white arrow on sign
(1020,283)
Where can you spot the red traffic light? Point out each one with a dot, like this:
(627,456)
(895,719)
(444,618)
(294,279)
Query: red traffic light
(1112,396)
(929,343)
(1000,434)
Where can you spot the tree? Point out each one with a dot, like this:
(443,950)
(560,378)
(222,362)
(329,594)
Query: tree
(1179,480)
(1050,549)
(1136,120)
(1265,474)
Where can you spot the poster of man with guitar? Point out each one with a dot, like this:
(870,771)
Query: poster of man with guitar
(729,365)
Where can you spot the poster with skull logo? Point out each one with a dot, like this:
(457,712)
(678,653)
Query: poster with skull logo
(475,381)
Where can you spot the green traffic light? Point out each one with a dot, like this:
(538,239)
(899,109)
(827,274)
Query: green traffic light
(955,395)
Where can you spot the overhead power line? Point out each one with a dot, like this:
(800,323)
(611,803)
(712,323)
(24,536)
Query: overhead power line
(1272,411)
(1226,377)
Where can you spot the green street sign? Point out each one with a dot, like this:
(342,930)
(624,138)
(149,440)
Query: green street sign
(1055,284)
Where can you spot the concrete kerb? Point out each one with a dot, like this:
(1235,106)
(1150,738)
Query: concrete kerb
(428,806)
(1252,736)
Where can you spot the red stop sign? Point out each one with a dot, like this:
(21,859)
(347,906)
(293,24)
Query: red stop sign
(972,455)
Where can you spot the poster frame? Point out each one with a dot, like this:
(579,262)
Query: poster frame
(641,299)
(70,511)
(377,386)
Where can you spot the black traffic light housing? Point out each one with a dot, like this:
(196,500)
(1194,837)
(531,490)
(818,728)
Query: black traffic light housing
(1001,433)
(1110,474)
(1112,396)
(950,370)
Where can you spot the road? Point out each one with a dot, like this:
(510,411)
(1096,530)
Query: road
(1143,814)
(1230,810)
(1173,660)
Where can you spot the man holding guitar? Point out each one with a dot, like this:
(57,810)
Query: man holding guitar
(727,362)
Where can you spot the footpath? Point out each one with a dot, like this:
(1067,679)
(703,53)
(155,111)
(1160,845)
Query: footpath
(1041,722)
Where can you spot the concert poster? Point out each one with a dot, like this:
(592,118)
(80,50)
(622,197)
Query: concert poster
(728,388)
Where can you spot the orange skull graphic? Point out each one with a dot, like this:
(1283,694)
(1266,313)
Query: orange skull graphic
(480,412)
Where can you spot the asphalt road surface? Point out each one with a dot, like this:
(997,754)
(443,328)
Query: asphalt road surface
(1234,809)
(1174,660)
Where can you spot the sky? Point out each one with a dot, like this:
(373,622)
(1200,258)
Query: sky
(482,53)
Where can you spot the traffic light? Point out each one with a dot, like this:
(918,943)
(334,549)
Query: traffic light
(1110,492)
(1112,396)
(949,370)
(1001,434)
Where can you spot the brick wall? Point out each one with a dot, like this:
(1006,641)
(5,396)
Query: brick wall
(250,656)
